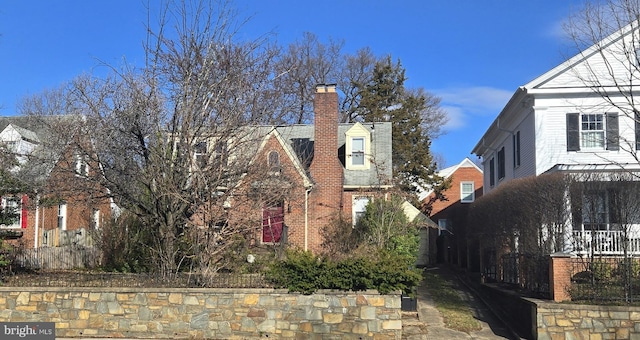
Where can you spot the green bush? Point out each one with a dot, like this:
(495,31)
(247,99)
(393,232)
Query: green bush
(301,271)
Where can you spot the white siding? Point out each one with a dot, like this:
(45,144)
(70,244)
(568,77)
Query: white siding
(551,148)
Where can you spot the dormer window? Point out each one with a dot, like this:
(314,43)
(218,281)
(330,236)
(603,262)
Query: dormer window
(358,147)
(357,151)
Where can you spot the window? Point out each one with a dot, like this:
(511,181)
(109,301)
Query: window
(274,159)
(357,151)
(357,146)
(467,192)
(62,216)
(11,215)
(592,131)
(359,208)
(81,164)
(516,149)
(200,154)
(501,166)
(273,223)
(444,225)
(96,218)
(492,172)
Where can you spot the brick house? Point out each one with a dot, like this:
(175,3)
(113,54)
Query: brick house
(450,213)
(327,169)
(56,214)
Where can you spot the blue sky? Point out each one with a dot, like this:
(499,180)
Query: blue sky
(471,53)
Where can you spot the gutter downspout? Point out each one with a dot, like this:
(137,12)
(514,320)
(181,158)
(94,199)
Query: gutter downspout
(306,219)
(36,227)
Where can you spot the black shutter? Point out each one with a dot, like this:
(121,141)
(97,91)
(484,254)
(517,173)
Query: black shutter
(612,132)
(573,132)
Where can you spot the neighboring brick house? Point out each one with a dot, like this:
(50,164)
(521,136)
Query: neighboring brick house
(451,211)
(56,213)
(327,168)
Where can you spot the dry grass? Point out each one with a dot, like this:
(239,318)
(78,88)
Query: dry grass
(455,311)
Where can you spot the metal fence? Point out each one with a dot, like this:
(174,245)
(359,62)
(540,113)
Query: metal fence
(58,267)
(142,280)
(529,272)
(605,280)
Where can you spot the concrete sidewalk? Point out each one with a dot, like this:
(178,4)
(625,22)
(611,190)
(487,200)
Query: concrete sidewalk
(428,324)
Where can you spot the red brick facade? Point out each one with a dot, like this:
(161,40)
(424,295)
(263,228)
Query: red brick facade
(325,199)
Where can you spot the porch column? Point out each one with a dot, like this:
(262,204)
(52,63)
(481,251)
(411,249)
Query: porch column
(560,272)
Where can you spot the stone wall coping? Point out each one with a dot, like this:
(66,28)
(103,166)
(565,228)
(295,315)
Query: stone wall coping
(187,290)
(577,306)
(145,290)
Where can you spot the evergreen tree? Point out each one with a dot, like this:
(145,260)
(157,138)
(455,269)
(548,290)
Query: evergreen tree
(384,99)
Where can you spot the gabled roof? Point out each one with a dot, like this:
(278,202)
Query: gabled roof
(299,139)
(290,154)
(551,80)
(558,80)
(448,172)
(415,215)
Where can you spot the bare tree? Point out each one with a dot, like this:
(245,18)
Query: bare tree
(606,34)
(171,137)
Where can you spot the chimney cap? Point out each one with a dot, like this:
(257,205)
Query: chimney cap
(326,88)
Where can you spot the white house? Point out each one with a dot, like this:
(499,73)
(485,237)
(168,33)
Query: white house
(577,118)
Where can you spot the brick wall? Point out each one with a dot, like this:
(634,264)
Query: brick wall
(204,313)
(325,200)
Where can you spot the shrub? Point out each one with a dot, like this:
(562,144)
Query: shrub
(301,271)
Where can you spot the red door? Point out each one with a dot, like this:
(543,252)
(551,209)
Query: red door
(272,222)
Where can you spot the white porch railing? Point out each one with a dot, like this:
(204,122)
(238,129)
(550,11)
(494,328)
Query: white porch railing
(605,242)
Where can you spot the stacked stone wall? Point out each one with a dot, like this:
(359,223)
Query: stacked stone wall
(204,313)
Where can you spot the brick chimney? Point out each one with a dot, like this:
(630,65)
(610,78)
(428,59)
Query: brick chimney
(326,170)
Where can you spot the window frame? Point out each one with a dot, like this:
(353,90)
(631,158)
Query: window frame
(8,202)
(593,126)
(516,150)
(466,196)
(492,172)
(356,214)
(361,153)
(501,164)
(62,216)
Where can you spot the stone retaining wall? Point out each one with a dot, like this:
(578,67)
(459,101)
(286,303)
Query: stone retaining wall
(204,313)
(568,321)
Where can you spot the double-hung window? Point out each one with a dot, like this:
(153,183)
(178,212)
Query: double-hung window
(467,192)
(501,163)
(592,131)
(359,208)
(357,151)
(516,149)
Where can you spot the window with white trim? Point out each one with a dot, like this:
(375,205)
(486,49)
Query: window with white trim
(357,147)
(444,224)
(81,164)
(62,216)
(11,216)
(467,192)
(516,149)
(592,131)
(359,208)
(96,218)
(357,151)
